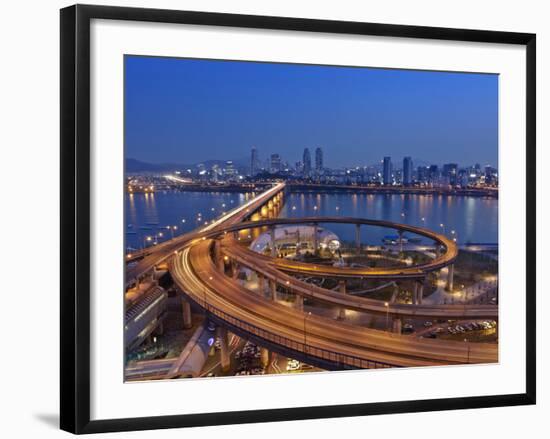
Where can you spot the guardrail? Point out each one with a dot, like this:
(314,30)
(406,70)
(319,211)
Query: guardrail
(342,361)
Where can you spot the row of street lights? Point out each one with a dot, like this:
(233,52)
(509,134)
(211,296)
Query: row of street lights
(154,238)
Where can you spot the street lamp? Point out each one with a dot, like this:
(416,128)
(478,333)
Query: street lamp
(172,229)
(146,239)
(387,305)
(443,227)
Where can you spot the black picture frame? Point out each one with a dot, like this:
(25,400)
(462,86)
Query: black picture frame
(75,217)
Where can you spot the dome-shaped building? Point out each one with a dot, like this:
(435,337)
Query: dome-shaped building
(296,240)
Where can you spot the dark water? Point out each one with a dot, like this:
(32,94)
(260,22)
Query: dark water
(150,214)
(473,219)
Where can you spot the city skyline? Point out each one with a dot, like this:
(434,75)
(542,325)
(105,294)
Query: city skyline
(307,219)
(362,114)
(245,160)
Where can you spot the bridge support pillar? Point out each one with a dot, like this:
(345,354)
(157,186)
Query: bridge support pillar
(299,302)
(450,277)
(358,238)
(264,357)
(343,290)
(315,238)
(153,275)
(273,247)
(273,289)
(400,234)
(395,293)
(342,287)
(224,351)
(420,292)
(397,324)
(160,328)
(235,270)
(261,284)
(186,308)
(415,293)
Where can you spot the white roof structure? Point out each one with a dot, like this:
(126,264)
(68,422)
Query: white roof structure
(295,234)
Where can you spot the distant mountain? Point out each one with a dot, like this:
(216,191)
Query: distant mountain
(133,165)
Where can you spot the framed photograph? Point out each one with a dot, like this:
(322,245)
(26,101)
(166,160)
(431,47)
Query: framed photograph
(268,218)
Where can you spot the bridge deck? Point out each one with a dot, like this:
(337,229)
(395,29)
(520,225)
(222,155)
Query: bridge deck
(196,274)
(269,267)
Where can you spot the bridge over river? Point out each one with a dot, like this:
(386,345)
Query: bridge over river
(202,264)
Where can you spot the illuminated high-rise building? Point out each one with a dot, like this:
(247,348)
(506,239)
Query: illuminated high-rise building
(254,162)
(386,171)
(275,163)
(318,161)
(407,171)
(307,163)
(450,173)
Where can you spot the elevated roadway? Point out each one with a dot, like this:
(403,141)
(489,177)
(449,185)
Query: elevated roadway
(161,252)
(318,340)
(317,337)
(270,268)
(411,272)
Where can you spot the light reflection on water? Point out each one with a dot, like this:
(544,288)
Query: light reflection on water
(473,219)
(150,214)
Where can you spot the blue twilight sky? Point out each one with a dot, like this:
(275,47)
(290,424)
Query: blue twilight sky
(187,111)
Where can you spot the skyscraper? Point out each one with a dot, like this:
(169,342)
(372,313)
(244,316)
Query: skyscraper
(230,170)
(307,163)
(386,172)
(275,165)
(433,174)
(407,171)
(450,172)
(318,161)
(422,174)
(254,162)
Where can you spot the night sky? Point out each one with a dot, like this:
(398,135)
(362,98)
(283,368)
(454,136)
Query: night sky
(188,111)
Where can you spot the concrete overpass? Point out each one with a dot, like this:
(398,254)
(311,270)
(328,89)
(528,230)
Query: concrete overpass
(196,263)
(275,274)
(320,339)
(161,252)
